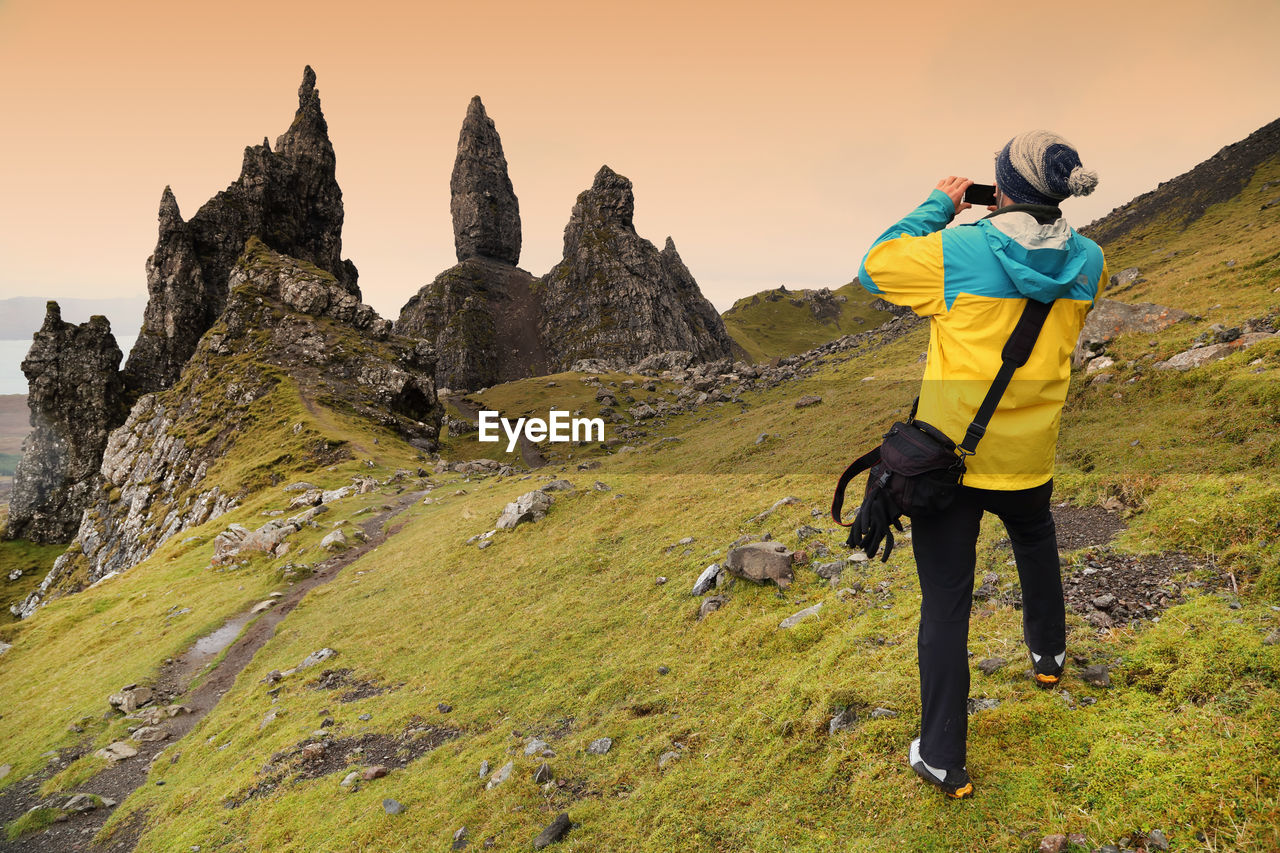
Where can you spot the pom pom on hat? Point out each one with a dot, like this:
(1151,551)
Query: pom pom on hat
(1040,167)
(1082,181)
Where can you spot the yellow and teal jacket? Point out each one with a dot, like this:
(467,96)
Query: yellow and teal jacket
(972,282)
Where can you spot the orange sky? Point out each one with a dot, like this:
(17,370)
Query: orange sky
(773,141)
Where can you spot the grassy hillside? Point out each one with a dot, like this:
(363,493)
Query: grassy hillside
(449,655)
(785,322)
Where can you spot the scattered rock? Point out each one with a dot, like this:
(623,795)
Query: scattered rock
(846,719)
(529,507)
(796,618)
(335,541)
(316,657)
(80,803)
(391,806)
(543,773)
(377,771)
(707,580)
(350,779)
(1052,844)
(117,751)
(553,832)
(558,486)
(762,561)
(534,746)
(830,571)
(1156,838)
(711,604)
(808,400)
(150,734)
(130,698)
(600,746)
(666,758)
(990,666)
(883,714)
(1199,356)
(1098,675)
(982,703)
(504,772)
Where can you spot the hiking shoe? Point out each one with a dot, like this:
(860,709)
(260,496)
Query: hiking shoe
(954,783)
(1046,670)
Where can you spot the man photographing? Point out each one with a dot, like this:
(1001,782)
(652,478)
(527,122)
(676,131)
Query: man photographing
(973,282)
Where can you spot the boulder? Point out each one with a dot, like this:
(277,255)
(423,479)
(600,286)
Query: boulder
(762,561)
(1201,356)
(531,506)
(1110,319)
(130,698)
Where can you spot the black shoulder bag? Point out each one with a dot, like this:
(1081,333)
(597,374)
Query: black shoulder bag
(917,469)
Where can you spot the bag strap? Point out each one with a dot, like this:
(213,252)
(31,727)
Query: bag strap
(862,463)
(1015,354)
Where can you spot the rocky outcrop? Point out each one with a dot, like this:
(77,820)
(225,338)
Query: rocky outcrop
(289,328)
(288,197)
(481,318)
(486,213)
(481,315)
(1109,319)
(76,398)
(615,296)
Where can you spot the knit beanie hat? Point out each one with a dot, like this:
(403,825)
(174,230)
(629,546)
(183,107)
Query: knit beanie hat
(1039,167)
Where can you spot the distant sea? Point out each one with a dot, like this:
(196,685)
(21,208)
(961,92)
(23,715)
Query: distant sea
(13,352)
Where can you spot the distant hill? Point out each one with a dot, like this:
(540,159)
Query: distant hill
(783,322)
(21,316)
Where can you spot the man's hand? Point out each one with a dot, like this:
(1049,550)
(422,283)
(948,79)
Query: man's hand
(954,188)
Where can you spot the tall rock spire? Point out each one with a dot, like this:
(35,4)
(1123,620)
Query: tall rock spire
(486,212)
(76,398)
(289,198)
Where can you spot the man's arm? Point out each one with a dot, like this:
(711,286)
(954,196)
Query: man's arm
(904,264)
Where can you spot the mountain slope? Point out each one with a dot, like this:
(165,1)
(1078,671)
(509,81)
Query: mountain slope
(450,654)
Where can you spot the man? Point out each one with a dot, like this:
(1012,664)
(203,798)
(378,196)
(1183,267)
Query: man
(972,281)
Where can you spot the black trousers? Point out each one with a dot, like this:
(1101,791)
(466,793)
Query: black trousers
(945,547)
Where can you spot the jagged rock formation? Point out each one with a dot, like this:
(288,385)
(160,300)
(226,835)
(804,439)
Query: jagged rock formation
(486,213)
(481,315)
(615,296)
(76,397)
(288,197)
(289,329)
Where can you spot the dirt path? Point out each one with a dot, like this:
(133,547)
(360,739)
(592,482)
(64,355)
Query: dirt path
(529,451)
(240,637)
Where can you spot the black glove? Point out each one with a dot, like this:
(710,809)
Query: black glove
(876,516)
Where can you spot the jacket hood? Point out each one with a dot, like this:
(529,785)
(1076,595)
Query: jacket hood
(1043,261)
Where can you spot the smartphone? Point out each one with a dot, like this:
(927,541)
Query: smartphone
(980,195)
